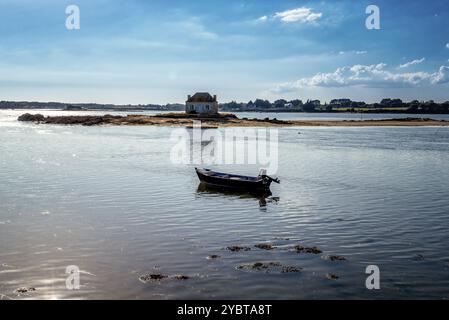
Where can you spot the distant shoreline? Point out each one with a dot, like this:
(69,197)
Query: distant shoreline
(337,106)
(222,120)
(366,112)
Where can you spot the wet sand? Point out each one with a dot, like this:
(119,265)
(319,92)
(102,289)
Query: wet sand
(223,120)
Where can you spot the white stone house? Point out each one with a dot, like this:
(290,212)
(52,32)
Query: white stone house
(202,102)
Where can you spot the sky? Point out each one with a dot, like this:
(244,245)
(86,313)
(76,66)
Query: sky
(152,51)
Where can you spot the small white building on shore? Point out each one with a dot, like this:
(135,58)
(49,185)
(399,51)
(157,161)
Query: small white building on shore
(202,102)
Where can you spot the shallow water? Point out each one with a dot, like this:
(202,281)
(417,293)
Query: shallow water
(337,116)
(108,200)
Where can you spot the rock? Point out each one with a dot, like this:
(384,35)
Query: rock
(290,269)
(25,290)
(81,120)
(264,246)
(336,258)
(152,277)
(213,257)
(258,266)
(302,249)
(332,276)
(31,117)
(270,267)
(238,248)
(158,277)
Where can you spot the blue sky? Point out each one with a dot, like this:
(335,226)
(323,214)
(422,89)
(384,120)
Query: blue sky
(135,51)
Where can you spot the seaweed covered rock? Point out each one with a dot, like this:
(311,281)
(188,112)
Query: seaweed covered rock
(334,258)
(152,277)
(25,290)
(302,249)
(259,266)
(269,267)
(264,246)
(159,277)
(27,117)
(238,248)
(290,269)
(332,276)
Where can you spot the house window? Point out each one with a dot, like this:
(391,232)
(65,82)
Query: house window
(207,108)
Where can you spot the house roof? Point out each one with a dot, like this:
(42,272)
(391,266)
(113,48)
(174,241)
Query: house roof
(202,97)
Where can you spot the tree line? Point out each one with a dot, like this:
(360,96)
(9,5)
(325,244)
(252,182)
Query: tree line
(339,105)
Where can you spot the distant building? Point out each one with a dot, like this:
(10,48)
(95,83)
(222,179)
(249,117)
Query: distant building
(202,102)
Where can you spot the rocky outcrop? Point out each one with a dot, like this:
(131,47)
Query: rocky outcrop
(70,120)
(31,117)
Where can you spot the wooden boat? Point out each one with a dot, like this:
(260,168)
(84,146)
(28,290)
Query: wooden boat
(251,184)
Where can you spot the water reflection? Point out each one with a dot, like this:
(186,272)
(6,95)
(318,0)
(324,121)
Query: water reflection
(264,197)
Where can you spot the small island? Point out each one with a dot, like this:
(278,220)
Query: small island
(203,108)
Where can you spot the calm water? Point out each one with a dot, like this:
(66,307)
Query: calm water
(337,116)
(108,200)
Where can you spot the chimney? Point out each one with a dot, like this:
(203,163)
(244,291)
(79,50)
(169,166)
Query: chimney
(189,97)
(215,97)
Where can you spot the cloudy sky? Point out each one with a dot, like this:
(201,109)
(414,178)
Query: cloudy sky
(136,51)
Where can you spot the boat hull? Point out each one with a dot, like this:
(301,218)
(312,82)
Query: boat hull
(231,181)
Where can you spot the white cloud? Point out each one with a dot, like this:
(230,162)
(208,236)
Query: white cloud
(358,52)
(442,76)
(263,19)
(196,29)
(374,75)
(411,63)
(447,45)
(301,15)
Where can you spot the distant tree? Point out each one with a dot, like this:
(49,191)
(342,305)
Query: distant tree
(279,104)
(231,106)
(311,105)
(357,104)
(296,103)
(262,104)
(392,103)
